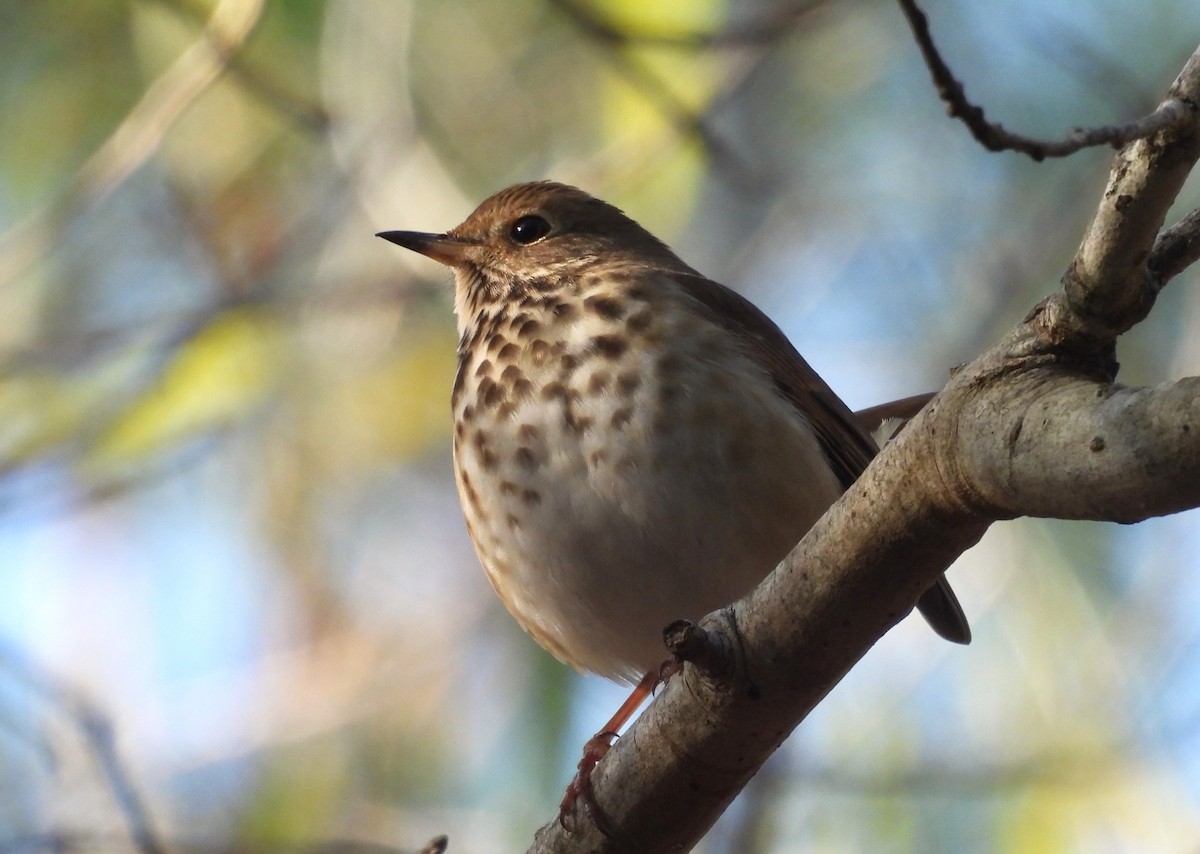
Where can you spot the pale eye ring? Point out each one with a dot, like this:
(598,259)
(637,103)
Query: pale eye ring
(529,229)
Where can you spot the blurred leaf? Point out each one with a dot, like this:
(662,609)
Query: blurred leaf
(219,375)
(58,105)
(648,101)
(38,411)
(43,409)
(402,405)
(298,797)
(1038,825)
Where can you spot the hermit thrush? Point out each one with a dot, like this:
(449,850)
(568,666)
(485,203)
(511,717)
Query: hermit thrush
(633,443)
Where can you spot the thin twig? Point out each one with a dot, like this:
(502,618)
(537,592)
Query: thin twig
(98,734)
(270,91)
(994,137)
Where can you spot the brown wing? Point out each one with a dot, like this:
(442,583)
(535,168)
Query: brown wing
(846,443)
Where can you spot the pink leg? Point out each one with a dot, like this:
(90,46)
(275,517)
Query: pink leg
(597,746)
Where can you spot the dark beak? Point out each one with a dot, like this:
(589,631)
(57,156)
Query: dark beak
(451,251)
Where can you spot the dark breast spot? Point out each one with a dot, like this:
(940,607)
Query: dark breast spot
(607,307)
(598,382)
(483,368)
(621,418)
(640,321)
(539,351)
(487,457)
(555,391)
(489,394)
(610,346)
(472,497)
(563,310)
(526,458)
(628,383)
(508,353)
(575,423)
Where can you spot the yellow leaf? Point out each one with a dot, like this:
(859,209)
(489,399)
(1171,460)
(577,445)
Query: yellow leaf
(402,406)
(645,126)
(38,411)
(218,376)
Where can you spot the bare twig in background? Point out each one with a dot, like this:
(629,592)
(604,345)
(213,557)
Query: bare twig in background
(98,735)
(138,135)
(994,137)
(270,91)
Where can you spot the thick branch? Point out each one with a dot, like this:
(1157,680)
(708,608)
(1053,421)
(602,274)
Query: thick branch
(1107,289)
(1070,448)
(1032,427)
(794,638)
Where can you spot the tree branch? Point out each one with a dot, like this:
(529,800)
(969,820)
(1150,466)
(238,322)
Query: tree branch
(994,137)
(1066,447)
(1175,250)
(1034,426)
(1109,286)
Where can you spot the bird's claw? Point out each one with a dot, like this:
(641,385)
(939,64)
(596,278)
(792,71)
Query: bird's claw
(580,787)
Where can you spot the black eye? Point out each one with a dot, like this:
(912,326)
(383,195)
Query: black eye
(529,229)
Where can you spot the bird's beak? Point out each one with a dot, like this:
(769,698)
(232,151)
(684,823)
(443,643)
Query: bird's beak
(451,251)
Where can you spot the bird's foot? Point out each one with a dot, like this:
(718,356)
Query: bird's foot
(580,787)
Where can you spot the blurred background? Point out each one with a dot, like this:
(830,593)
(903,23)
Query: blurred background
(238,607)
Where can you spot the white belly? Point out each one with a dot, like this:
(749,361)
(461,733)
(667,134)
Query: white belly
(596,545)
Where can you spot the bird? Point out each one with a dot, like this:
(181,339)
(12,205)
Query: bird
(634,443)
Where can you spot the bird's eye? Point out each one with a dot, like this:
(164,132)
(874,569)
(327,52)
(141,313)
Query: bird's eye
(529,229)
